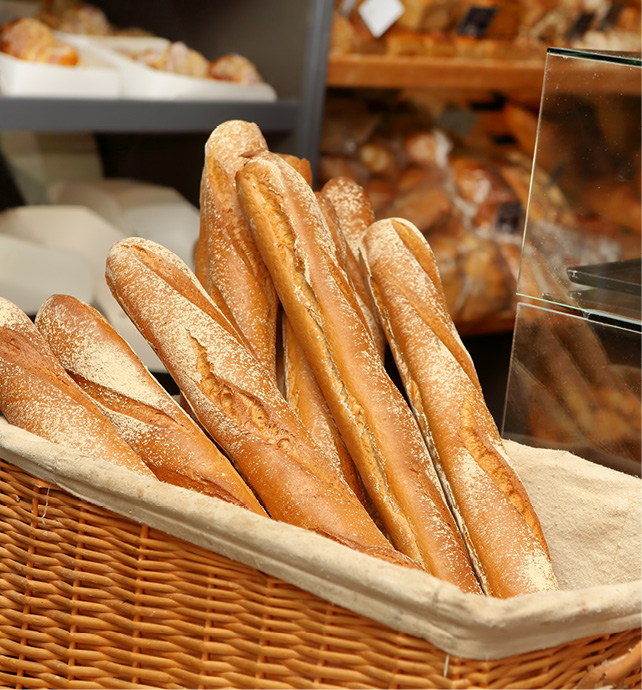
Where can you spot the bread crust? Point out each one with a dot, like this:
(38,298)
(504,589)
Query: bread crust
(37,395)
(233,265)
(352,267)
(172,445)
(235,398)
(306,399)
(493,509)
(376,424)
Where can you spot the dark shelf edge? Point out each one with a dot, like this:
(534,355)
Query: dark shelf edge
(140,116)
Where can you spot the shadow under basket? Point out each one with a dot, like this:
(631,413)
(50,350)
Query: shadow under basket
(91,599)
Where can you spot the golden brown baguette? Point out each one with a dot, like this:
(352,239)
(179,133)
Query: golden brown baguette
(375,422)
(354,213)
(351,265)
(140,409)
(235,398)
(301,165)
(234,265)
(353,208)
(306,399)
(37,395)
(493,509)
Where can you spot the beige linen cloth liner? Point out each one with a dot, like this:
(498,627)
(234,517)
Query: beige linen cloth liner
(590,515)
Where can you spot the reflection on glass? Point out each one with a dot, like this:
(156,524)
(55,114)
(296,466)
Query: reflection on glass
(574,384)
(585,201)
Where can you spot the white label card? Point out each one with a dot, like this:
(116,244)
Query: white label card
(380,15)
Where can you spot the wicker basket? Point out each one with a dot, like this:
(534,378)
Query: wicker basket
(91,599)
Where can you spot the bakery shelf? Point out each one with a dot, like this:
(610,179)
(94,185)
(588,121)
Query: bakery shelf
(505,75)
(140,116)
(380,71)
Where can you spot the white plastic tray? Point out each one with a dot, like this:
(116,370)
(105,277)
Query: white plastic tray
(141,81)
(85,237)
(156,212)
(30,273)
(95,78)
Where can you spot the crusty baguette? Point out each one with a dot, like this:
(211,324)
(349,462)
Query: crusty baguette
(234,265)
(235,398)
(354,213)
(172,445)
(353,269)
(353,208)
(301,165)
(375,422)
(37,395)
(496,516)
(306,399)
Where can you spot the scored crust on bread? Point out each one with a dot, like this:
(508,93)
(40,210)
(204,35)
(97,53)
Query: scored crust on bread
(236,399)
(233,265)
(140,409)
(306,399)
(37,395)
(352,206)
(495,514)
(352,267)
(375,422)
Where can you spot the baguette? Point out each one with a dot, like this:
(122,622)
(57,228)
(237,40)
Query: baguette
(353,208)
(234,266)
(37,395)
(235,398)
(493,509)
(351,265)
(375,422)
(352,214)
(301,165)
(143,413)
(306,399)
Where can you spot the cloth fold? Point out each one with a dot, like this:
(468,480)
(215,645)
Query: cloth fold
(590,516)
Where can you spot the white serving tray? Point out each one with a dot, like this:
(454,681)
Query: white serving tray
(30,273)
(95,78)
(81,234)
(137,208)
(140,81)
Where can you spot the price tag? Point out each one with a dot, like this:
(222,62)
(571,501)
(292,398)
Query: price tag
(476,21)
(580,26)
(609,20)
(510,217)
(380,15)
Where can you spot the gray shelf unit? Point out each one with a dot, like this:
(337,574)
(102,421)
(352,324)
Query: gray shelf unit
(162,141)
(140,116)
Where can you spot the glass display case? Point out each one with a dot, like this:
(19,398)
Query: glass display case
(574,379)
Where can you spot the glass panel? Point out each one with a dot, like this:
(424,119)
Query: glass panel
(574,384)
(583,227)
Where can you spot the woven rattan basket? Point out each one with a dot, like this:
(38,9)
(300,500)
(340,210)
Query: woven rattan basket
(91,599)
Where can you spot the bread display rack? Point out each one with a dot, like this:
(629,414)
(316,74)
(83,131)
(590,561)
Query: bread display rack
(296,71)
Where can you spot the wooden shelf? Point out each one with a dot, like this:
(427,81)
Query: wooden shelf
(505,75)
(378,71)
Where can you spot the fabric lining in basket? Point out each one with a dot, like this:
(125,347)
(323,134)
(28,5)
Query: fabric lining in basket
(92,598)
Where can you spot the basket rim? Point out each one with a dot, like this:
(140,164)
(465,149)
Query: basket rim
(464,625)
